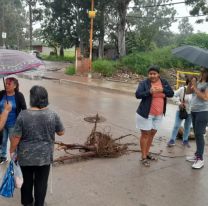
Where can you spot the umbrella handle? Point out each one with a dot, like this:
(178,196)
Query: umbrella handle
(5,89)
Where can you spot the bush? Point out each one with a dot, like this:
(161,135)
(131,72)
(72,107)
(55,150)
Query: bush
(105,67)
(70,70)
(137,62)
(199,39)
(140,61)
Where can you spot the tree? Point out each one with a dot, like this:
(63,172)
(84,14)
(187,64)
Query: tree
(185,27)
(34,15)
(147,21)
(199,7)
(10,10)
(200,40)
(64,23)
(121,7)
(100,23)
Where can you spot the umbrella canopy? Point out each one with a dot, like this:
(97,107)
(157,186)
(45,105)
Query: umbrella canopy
(14,61)
(192,54)
(7,185)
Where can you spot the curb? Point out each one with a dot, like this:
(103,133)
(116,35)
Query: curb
(107,89)
(68,82)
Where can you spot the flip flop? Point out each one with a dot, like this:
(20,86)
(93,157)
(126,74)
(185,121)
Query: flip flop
(145,162)
(152,157)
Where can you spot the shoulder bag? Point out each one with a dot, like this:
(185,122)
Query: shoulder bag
(182,110)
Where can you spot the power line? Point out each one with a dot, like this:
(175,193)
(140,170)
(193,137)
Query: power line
(157,5)
(177,17)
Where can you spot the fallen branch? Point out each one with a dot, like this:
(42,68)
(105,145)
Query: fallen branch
(98,145)
(86,155)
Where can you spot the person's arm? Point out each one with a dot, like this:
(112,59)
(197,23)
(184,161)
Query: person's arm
(22,101)
(4,114)
(142,92)
(167,90)
(14,141)
(16,134)
(59,128)
(178,92)
(200,94)
(177,95)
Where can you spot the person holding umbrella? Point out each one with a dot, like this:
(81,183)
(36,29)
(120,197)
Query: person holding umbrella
(199,112)
(10,94)
(153,92)
(4,114)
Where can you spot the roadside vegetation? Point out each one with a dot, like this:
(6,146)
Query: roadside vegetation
(68,56)
(132,38)
(70,70)
(105,67)
(138,62)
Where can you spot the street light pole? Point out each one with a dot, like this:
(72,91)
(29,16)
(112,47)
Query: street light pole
(3,27)
(92,16)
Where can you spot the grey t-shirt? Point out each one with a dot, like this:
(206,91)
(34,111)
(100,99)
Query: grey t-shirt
(37,130)
(198,104)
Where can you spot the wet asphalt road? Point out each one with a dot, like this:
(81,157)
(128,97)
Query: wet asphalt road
(122,181)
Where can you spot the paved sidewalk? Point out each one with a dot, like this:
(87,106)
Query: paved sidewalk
(113,86)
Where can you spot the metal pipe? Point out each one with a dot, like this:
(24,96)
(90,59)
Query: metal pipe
(91,35)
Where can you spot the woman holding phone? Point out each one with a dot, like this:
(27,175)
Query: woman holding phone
(199,113)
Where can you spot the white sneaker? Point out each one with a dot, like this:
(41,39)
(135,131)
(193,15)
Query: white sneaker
(191,158)
(198,164)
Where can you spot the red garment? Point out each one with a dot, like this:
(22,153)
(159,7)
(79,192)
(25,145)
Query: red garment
(157,100)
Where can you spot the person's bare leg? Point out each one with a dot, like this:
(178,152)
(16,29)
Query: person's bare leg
(145,135)
(150,139)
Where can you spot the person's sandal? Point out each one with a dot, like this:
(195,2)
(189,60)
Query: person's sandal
(152,157)
(145,162)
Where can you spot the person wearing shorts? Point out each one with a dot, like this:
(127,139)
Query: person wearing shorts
(153,93)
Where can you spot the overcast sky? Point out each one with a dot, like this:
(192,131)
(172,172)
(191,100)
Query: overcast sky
(183,10)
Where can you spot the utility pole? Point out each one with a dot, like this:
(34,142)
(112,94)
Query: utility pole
(30,20)
(3,27)
(92,16)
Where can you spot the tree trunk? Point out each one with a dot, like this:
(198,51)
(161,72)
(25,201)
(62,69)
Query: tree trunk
(101,49)
(122,11)
(62,51)
(102,34)
(121,41)
(81,45)
(55,50)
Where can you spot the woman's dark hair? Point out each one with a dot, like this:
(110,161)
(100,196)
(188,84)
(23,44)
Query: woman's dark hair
(189,78)
(204,71)
(38,97)
(154,68)
(16,83)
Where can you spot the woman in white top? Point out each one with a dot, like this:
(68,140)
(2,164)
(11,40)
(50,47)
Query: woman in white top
(187,123)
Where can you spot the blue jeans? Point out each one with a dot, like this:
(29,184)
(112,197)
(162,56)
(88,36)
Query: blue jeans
(199,121)
(177,124)
(6,134)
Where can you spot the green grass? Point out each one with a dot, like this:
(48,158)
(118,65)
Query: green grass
(70,70)
(105,67)
(69,55)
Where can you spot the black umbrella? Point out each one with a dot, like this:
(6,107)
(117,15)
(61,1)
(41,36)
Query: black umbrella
(192,54)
